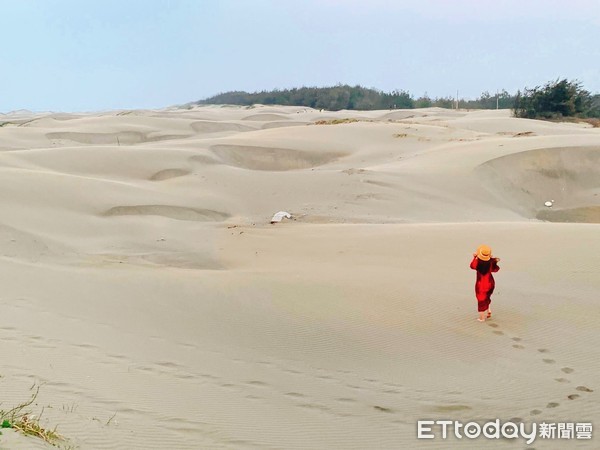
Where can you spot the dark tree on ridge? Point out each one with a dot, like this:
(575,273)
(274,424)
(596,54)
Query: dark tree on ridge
(556,99)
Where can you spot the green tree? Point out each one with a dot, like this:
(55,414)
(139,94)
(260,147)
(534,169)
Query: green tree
(444,102)
(560,98)
(423,102)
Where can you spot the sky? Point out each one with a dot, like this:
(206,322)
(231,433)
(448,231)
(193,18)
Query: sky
(76,55)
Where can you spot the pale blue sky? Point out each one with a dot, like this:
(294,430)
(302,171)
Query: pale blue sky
(83,55)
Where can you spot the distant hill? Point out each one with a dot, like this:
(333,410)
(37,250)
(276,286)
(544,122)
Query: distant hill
(352,97)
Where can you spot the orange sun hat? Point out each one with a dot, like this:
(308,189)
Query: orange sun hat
(484,252)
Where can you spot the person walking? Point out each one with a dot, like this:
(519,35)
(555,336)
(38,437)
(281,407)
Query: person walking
(485,264)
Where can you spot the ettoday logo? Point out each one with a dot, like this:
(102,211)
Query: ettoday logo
(431,429)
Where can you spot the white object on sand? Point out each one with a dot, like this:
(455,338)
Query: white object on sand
(279,216)
(548,204)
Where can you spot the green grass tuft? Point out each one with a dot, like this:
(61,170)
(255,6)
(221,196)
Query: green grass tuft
(21,419)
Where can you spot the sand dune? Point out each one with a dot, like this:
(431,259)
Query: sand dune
(568,176)
(586,214)
(173,212)
(167,174)
(273,159)
(146,292)
(209,126)
(265,117)
(268,125)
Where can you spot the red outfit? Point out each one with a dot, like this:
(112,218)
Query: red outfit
(484,286)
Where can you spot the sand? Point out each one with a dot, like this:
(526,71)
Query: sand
(145,292)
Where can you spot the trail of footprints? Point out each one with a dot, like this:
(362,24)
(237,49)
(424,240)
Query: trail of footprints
(346,378)
(342,405)
(544,352)
(259,389)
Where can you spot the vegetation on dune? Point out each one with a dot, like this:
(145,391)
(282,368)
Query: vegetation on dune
(338,121)
(21,419)
(329,98)
(353,98)
(555,100)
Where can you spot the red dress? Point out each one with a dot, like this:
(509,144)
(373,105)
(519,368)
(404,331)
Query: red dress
(484,286)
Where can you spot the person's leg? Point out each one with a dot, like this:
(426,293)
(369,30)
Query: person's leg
(489,310)
(482,307)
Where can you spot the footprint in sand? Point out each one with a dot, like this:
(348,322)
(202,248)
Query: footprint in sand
(382,409)
(324,377)
(346,400)
(314,406)
(391,391)
(265,363)
(208,376)
(550,405)
(294,394)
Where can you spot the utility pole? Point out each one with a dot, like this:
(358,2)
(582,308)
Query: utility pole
(457,99)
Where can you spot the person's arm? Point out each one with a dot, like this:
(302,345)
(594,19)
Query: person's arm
(495,266)
(474,262)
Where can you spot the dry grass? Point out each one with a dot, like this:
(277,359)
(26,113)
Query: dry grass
(21,419)
(337,121)
(594,122)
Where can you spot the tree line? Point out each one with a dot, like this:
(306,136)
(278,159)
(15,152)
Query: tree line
(560,98)
(340,97)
